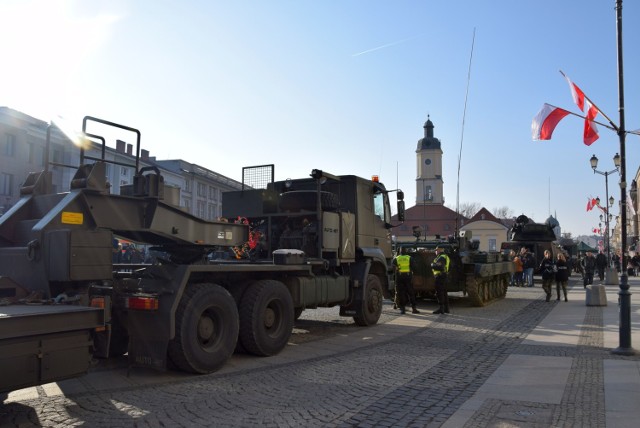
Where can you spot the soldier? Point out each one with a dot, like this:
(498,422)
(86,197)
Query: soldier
(404,266)
(548,269)
(440,267)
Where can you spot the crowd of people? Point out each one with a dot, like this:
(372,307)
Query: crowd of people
(555,271)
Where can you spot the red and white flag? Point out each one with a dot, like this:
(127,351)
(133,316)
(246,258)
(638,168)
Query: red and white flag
(545,122)
(589,204)
(590,128)
(576,93)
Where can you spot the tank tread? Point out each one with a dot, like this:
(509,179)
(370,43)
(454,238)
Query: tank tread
(482,290)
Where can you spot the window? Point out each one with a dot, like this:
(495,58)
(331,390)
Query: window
(213,193)
(32,152)
(202,190)
(187,185)
(379,206)
(212,214)
(187,205)
(428,194)
(200,205)
(124,171)
(6,184)
(10,146)
(492,244)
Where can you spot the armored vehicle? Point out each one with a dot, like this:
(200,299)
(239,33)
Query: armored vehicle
(480,276)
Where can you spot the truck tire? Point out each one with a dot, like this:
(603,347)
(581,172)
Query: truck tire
(371,309)
(266,317)
(307,200)
(206,329)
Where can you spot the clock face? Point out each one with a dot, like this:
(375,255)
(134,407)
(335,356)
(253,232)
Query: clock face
(427,161)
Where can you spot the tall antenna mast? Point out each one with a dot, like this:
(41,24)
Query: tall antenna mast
(464,115)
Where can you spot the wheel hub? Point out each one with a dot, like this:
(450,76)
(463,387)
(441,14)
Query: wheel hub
(269,317)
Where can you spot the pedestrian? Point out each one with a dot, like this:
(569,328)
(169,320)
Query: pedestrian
(548,269)
(617,260)
(588,268)
(529,264)
(562,276)
(440,267)
(519,269)
(601,264)
(404,267)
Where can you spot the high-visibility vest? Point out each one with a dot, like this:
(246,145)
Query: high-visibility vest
(446,262)
(404,263)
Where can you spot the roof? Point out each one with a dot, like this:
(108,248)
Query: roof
(433,219)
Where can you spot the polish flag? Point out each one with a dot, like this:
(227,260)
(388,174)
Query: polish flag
(546,121)
(590,129)
(589,204)
(576,93)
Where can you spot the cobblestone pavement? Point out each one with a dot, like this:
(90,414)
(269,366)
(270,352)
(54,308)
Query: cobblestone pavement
(414,380)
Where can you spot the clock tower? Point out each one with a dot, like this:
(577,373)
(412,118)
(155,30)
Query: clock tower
(429,169)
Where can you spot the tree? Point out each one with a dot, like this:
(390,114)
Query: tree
(469,209)
(503,212)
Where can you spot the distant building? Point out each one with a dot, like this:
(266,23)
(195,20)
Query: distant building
(22,150)
(490,231)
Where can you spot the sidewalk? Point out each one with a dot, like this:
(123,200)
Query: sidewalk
(527,389)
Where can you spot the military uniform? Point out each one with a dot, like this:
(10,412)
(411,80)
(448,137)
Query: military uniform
(440,267)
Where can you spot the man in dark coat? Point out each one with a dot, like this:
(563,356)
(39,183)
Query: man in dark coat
(601,264)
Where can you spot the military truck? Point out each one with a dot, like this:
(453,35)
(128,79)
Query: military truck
(479,276)
(324,242)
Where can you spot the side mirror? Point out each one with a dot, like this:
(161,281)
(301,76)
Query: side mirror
(400,210)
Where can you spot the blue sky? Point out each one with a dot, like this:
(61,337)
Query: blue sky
(344,86)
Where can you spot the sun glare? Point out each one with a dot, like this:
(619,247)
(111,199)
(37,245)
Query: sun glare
(47,41)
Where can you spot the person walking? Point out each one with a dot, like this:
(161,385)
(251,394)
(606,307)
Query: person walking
(404,267)
(601,264)
(440,267)
(562,276)
(588,267)
(548,269)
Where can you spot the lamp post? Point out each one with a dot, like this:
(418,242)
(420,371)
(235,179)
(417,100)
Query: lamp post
(624,347)
(609,203)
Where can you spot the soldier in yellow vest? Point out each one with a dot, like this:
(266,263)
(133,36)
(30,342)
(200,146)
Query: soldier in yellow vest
(403,264)
(440,267)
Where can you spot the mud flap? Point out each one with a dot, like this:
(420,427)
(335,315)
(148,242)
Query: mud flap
(359,274)
(147,344)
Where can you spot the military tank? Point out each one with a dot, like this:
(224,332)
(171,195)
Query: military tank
(481,276)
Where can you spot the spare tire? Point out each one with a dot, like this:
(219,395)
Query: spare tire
(307,200)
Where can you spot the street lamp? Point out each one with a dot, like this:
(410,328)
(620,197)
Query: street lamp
(610,200)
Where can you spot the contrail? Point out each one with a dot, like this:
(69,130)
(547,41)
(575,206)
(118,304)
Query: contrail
(385,46)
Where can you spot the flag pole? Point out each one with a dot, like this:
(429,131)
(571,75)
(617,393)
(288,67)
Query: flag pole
(614,128)
(613,125)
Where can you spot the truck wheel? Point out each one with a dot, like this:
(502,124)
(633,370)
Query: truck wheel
(206,329)
(266,317)
(307,200)
(371,309)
